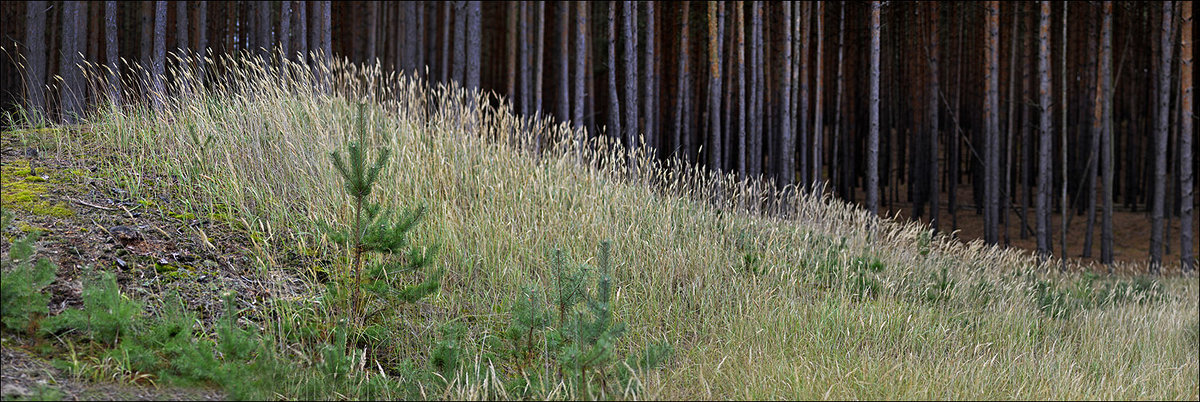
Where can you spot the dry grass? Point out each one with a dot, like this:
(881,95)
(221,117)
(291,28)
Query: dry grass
(756,291)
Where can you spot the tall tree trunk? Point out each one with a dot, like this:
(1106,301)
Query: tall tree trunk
(802,132)
(873,139)
(1005,194)
(934,116)
(146,51)
(447,40)
(818,134)
(739,17)
(327,28)
(630,79)
(581,51)
(787,147)
(956,133)
(1105,93)
(759,93)
(649,58)
(716,13)
(301,31)
(991,125)
(412,42)
(1063,133)
(1093,166)
(35,60)
(160,51)
(460,42)
(563,103)
(111,56)
(511,51)
(73,91)
(1187,180)
(181,25)
(614,106)
(1045,178)
(680,140)
(1160,141)
(262,12)
(285,29)
(539,48)
(474,43)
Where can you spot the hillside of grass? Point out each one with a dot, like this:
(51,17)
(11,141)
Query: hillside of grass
(760,293)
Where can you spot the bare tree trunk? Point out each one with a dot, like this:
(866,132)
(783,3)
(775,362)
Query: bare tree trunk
(160,51)
(285,29)
(716,13)
(1187,180)
(649,58)
(873,139)
(802,132)
(614,106)
(301,31)
(1063,132)
(35,59)
(73,91)
(446,41)
(581,51)
(1104,93)
(181,25)
(934,116)
(327,28)
(1045,179)
(112,56)
(740,36)
(1005,198)
(460,42)
(787,167)
(563,104)
(412,42)
(511,53)
(992,123)
(539,47)
(818,134)
(474,43)
(837,96)
(1160,140)
(759,94)
(681,134)
(629,65)
(263,27)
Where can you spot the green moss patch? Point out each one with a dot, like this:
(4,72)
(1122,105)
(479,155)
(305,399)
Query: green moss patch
(22,187)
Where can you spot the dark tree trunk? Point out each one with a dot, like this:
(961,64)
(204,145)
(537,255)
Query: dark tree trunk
(716,13)
(1104,95)
(873,140)
(614,106)
(72,95)
(681,135)
(35,60)
(818,133)
(1045,164)
(1160,142)
(460,42)
(112,55)
(181,25)
(649,60)
(1187,127)
(301,31)
(802,131)
(539,42)
(285,29)
(991,151)
(740,35)
(629,65)
(934,91)
(563,25)
(581,51)
(474,43)
(787,147)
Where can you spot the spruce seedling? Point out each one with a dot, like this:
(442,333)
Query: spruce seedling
(21,297)
(378,230)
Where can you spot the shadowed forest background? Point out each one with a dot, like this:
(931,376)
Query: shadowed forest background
(985,118)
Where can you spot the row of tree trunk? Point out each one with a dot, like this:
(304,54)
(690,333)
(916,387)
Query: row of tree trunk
(740,86)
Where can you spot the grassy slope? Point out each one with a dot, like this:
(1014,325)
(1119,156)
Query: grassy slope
(755,306)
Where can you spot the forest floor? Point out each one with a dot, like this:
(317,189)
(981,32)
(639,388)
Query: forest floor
(88,222)
(1131,230)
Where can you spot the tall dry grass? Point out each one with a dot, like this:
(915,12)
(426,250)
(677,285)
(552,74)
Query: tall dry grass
(763,293)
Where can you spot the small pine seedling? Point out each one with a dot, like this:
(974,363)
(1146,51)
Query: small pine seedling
(376,230)
(21,299)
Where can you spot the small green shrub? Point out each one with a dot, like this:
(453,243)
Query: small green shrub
(378,231)
(22,301)
(107,315)
(582,340)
